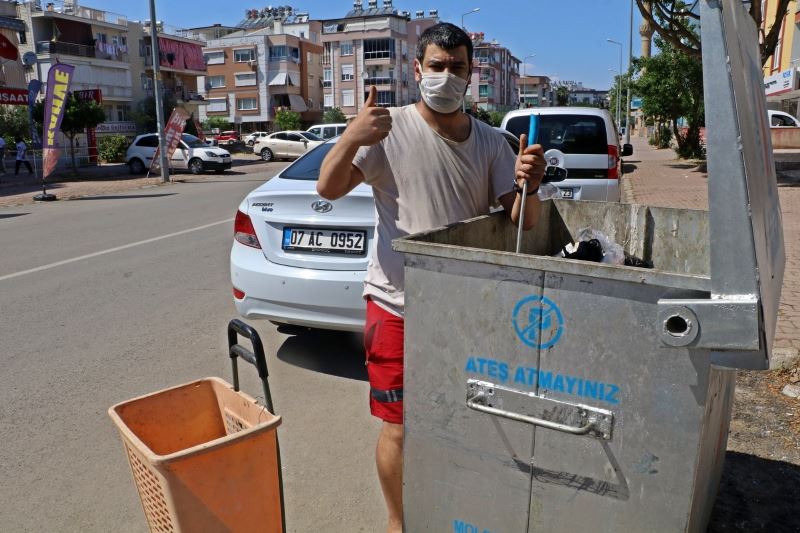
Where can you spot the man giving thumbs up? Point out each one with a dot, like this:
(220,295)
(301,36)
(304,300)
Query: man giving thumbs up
(429,165)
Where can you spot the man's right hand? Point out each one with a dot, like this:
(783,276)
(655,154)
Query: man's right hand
(371,125)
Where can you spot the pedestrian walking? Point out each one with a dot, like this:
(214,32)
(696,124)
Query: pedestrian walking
(2,156)
(429,165)
(22,156)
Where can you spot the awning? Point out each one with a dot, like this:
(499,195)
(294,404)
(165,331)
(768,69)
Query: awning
(294,79)
(278,79)
(12,24)
(297,103)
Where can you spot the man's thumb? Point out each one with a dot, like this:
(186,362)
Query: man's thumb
(373,95)
(523,143)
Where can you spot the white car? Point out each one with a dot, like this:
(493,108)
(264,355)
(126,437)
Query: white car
(286,145)
(192,154)
(779,119)
(251,138)
(299,259)
(588,138)
(327,131)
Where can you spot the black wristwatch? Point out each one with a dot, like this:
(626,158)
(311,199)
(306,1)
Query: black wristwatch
(518,190)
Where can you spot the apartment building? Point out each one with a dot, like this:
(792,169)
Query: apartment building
(13,81)
(781,79)
(371,46)
(271,63)
(495,70)
(94,41)
(181,64)
(535,91)
(582,96)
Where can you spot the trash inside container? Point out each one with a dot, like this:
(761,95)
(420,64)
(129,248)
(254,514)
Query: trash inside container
(556,395)
(204,458)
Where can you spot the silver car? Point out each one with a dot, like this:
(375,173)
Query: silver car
(285,145)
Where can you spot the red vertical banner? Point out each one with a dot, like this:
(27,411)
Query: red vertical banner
(91,135)
(172,134)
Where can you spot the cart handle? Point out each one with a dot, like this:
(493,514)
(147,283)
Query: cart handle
(256,357)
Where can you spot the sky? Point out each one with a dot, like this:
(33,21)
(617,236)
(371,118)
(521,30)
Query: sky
(567,36)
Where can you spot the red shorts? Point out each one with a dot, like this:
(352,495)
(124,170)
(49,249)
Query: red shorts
(383,342)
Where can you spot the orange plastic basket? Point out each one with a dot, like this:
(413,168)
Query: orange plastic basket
(204,457)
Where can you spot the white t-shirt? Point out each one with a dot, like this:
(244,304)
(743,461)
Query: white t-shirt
(422,181)
(21,148)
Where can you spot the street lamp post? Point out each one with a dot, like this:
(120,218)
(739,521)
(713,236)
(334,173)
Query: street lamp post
(468,13)
(630,62)
(618,96)
(619,87)
(164,163)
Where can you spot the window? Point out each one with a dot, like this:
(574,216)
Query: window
(483,91)
(244,56)
(379,49)
(246,104)
(123,112)
(214,58)
(216,81)
(346,48)
(216,105)
(309,58)
(347,73)
(327,53)
(146,82)
(21,38)
(102,38)
(327,77)
(348,98)
(572,134)
(278,53)
(245,79)
(328,101)
(148,141)
(108,110)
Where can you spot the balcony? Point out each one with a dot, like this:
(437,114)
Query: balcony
(68,49)
(381,82)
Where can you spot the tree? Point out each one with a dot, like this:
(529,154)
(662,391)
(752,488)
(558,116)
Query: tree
(286,119)
(671,87)
(78,116)
(481,114)
(675,20)
(220,123)
(14,122)
(333,115)
(562,95)
(496,118)
(145,113)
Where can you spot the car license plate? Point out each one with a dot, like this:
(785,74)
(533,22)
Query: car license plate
(325,241)
(566,193)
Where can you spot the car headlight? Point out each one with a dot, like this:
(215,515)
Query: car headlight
(209,153)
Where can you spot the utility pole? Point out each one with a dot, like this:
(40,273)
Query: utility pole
(630,64)
(157,90)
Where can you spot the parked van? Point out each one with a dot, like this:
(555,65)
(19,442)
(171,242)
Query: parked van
(327,131)
(588,138)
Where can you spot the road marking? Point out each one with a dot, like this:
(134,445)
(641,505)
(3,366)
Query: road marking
(112,250)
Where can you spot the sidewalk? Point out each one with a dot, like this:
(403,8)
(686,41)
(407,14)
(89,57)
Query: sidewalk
(93,181)
(660,179)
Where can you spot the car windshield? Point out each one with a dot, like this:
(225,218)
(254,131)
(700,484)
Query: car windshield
(193,142)
(307,167)
(310,136)
(572,134)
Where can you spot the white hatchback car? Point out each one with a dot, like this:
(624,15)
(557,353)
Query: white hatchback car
(285,145)
(588,138)
(192,154)
(251,138)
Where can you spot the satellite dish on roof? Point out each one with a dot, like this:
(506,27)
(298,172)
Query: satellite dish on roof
(29,59)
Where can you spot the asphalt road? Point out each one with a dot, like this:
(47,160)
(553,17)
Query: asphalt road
(107,298)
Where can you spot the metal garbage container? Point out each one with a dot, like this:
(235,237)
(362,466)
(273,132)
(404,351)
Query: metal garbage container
(547,394)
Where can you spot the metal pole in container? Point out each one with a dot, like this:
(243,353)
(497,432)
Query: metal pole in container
(157,86)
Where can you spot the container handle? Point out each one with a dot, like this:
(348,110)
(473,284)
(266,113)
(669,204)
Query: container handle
(256,357)
(564,428)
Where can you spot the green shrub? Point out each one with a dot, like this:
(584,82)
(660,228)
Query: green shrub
(112,148)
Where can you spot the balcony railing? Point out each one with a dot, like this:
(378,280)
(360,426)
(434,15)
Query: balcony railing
(380,81)
(69,49)
(89,13)
(327,84)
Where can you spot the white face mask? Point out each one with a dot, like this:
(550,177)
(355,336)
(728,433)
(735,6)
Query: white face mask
(443,92)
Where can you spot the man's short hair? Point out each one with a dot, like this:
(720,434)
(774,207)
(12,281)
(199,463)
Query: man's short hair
(444,35)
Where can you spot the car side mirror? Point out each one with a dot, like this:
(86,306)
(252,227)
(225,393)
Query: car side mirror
(554,174)
(627,149)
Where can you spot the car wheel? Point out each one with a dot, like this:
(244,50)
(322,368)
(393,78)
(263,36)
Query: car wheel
(136,166)
(267,155)
(251,142)
(196,166)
